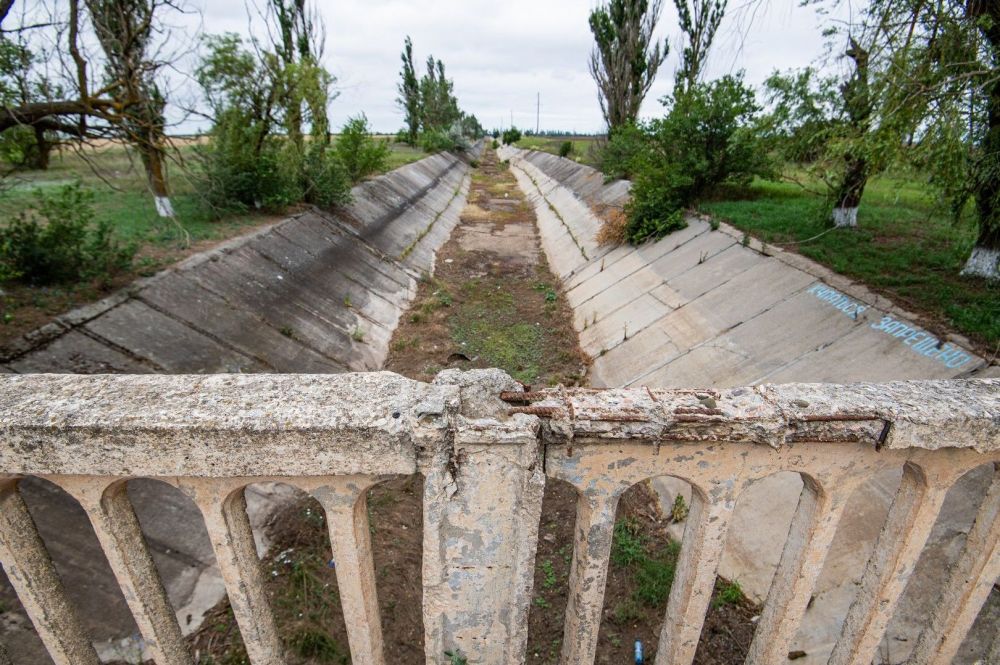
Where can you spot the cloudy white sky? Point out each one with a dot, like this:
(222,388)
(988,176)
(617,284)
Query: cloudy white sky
(501,53)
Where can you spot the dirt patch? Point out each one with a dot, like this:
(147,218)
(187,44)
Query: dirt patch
(493,301)
(640,573)
(302,585)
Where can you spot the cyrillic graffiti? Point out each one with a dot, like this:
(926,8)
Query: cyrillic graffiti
(924,343)
(838,300)
(920,341)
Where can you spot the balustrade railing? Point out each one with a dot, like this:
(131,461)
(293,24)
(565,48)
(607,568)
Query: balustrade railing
(485,447)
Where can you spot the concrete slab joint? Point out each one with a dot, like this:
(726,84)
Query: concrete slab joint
(485,446)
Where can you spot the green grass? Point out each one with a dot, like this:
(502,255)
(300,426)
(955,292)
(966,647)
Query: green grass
(904,247)
(118,183)
(488,327)
(652,567)
(404,154)
(581,146)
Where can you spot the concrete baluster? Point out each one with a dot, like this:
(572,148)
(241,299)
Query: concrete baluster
(911,517)
(595,526)
(969,585)
(120,536)
(694,581)
(224,508)
(345,501)
(30,571)
(809,536)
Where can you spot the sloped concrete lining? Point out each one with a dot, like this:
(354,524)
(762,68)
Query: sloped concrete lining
(705,308)
(320,292)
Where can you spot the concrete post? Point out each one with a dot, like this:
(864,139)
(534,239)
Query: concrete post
(482,504)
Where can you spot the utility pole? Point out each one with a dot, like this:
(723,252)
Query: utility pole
(538,111)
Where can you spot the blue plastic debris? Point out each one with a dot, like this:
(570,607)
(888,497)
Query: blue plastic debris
(638,652)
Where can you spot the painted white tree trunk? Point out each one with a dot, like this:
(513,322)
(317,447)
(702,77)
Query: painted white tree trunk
(983,262)
(163,206)
(843,217)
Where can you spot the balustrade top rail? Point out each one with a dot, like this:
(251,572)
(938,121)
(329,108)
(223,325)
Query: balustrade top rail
(485,446)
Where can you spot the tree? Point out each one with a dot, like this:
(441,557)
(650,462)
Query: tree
(930,94)
(625,57)
(699,22)
(27,146)
(303,83)
(853,126)
(438,105)
(126,104)
(124,30)
(985,258)
(409,93)
(254,88)
(858,108)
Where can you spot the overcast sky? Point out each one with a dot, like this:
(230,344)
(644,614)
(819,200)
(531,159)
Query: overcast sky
(501,53)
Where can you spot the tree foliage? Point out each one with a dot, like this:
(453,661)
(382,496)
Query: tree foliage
(625,57)
(433,117)
(409,93)
(125,102)
(253,92)
(924,89)
(708,137)
(699,20)
(360,154)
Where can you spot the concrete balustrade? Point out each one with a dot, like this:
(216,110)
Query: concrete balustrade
(485,448)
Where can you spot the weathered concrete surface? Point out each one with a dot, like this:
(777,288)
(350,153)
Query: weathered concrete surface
(700,309)
(320,292)
(481,512)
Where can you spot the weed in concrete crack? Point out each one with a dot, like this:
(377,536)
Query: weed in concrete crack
(679,511)
(358,335)
(727,593)
(456,658)
(550,579)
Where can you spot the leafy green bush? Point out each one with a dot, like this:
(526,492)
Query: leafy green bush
(706,139)
(19,147)
(619,156)
(511,136)
(565,148)
(436,140)
(59,241)
(240,170)
(360,153)
(327,181)
(495,144)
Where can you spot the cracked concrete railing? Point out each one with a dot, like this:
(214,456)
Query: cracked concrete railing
(485,446)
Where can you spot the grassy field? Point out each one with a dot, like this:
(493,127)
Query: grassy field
(904,247)
(117,182)
(582,145)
